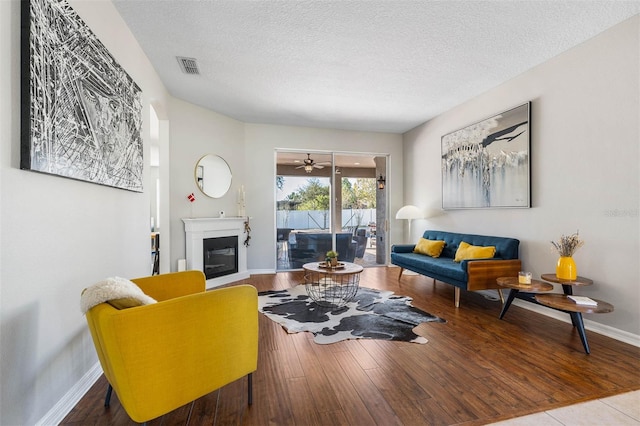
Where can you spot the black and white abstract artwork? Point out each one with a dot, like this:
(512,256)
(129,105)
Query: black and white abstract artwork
(487,164)
(81,113)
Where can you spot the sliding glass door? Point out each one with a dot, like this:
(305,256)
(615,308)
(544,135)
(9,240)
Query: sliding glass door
(328,201)
(303,208)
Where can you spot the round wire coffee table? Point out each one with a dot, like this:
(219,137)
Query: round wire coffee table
(331,286)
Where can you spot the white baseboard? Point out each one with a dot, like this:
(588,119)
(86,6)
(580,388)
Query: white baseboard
(64,406)
(596,327)
(262,271)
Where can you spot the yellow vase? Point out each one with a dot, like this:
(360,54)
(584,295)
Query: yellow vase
(566,268)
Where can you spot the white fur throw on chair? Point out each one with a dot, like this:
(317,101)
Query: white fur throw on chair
(110,289)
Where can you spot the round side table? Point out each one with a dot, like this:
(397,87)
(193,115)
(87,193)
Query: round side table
(561,302)
(567,285)
(515,287)
(331,286)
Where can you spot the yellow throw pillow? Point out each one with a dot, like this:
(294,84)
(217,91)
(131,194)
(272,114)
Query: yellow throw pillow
(431,248)
(467,251)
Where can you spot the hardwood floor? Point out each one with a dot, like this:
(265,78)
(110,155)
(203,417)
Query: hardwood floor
(475,369)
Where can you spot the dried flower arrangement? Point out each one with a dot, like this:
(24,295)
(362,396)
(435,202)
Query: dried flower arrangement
(567,245)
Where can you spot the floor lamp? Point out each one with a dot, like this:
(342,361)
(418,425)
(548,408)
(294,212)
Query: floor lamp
(409,213)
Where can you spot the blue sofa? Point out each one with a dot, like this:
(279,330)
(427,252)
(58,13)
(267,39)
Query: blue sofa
(473,274)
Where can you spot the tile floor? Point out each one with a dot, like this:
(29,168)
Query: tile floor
(618,410)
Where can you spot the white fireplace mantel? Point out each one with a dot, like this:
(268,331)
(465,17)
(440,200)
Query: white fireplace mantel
(198,229)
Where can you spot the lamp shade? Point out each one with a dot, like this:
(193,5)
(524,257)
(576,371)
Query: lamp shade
(410,212)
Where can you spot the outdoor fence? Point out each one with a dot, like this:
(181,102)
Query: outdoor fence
(320,219)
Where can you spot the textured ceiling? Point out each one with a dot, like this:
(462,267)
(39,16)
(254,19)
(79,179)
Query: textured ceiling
(374,65)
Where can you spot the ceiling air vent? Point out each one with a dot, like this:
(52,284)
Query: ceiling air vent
(188,65)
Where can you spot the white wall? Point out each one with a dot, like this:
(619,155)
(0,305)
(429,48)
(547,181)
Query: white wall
(585,167)
(195,132)
(59,235)
(261,142)
(250,151)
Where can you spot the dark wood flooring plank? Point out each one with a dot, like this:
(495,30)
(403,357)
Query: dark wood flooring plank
(393,364)
(375,402)
(276,391)
(403,407)
(351,404)
(234,402)
(302,403)
(334,418)
(434,413)
(324,398)
(475,369)
(360,354)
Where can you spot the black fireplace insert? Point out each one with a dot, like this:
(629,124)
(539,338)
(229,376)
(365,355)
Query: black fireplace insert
(220,256)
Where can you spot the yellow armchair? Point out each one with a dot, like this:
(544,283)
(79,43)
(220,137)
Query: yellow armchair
(161,356)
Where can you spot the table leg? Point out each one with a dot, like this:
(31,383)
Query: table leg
(507,303)
(573,320)
(576,318)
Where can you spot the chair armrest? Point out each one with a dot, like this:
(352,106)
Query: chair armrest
(403,248)
(170,353)
(167,286)
(482,274)
(465,262)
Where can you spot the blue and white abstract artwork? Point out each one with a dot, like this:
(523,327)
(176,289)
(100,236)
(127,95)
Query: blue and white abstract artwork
(487,164)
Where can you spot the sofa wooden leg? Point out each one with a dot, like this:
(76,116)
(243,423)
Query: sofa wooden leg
(501,296)
(457,296)
(250,388)
(401,271)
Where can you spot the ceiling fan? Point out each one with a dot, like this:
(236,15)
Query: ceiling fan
(309,165)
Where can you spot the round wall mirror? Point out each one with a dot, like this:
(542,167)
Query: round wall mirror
(213,176)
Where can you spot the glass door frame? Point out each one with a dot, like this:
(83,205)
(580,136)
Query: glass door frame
(335,210)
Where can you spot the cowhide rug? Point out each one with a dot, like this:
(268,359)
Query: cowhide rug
(371,314)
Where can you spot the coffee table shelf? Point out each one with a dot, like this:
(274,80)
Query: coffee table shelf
(567,285)
(522,291)
(562,303)
(555,301)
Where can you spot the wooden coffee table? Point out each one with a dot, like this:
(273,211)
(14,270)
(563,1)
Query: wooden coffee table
(562,303)
(515,288)
(331,286)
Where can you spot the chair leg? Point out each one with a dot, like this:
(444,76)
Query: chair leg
(107,398)
(250,387)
